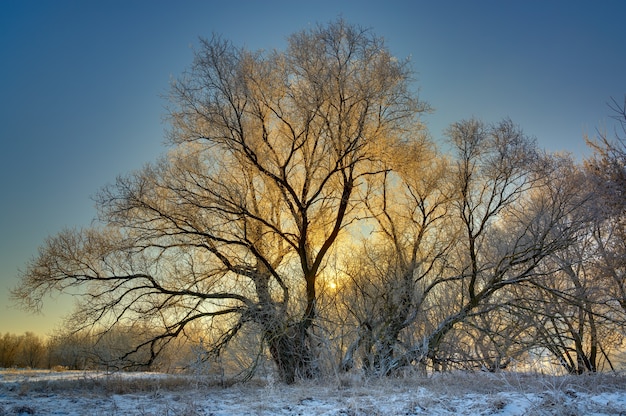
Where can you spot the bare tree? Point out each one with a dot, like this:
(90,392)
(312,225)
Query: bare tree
(26,350)
(580,312)
(32,351)
(607,170)
(573,314)
(69,349)
(510,215)
(450,236)
(389,277)
(607,165)
(9,350)
(234,225)
(492,341)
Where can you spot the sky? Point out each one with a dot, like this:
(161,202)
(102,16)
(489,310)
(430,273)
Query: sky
(82,86)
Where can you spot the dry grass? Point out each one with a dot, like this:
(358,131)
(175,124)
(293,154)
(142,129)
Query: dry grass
(458,383)
(446,383)
(108,383)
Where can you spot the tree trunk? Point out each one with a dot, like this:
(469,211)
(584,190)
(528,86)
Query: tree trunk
(291,351)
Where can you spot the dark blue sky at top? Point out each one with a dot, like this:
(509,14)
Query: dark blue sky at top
(81,87)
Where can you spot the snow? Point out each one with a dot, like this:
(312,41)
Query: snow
(24,392)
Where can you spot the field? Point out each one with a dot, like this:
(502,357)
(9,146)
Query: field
(35,392)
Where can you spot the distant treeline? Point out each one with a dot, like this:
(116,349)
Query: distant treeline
(87,351)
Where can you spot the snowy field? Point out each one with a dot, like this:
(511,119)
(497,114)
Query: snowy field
(29,392)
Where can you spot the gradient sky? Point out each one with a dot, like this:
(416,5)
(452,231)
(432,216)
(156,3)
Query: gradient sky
(81,85)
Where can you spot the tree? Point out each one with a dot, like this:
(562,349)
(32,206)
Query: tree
(607,165)
(509,211)
(389,277)
(26,350)
(607,170)
(32,350)
(450,237)
(70,349)
(580,312)
(234,226)
(9,350)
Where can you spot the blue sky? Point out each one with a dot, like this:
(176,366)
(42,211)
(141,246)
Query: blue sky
(81,86)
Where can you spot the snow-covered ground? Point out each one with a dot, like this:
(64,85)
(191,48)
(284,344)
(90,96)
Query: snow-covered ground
(88,393)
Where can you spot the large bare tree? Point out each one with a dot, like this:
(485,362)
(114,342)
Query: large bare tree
(233,227)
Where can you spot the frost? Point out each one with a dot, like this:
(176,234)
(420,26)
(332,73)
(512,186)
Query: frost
(92,393)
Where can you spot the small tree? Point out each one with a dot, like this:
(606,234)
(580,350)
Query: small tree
(69,349)
(32,352)
(9,350)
